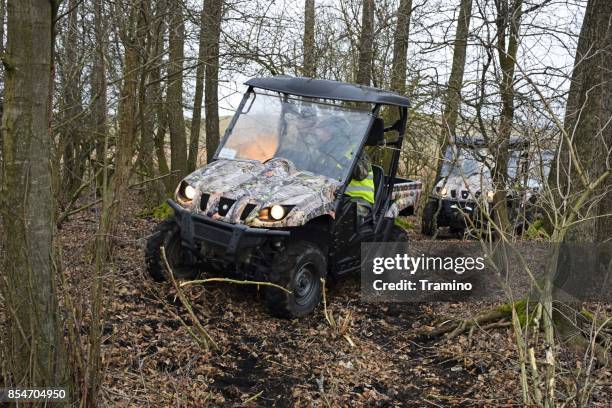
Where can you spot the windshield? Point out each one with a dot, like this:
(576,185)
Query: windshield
(462,162)
(467,162)
(315,137)
(539,168)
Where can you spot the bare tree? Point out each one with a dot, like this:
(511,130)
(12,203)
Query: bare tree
(587,122)
(309,69)
(196,121)
(99,109)
(2,79)
(131,34)
(174,102)
(146,108)
(214,14)
(33,352)
(581,185)
(400,46)
(455,81)
(452,96)
(2,19)
(155,84)
(508,21)
(366,42)
(71,143)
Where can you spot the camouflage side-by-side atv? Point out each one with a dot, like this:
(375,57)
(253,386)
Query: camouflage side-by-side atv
(462,197)
(271,205)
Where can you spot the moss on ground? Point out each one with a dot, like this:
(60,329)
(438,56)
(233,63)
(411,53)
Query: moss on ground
(159,212)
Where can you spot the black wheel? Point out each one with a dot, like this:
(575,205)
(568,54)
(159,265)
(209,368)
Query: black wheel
(299,269)
(167,235)
(460,232)
(428,224)
(398,234)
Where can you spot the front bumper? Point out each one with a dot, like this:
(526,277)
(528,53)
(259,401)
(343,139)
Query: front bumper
(453,212)
(197,228)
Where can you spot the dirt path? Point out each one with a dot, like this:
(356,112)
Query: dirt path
(264,361)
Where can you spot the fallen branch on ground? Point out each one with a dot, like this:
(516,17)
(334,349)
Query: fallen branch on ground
(205,338)
(340,327)
(456,327)
(238,282)
(575,335)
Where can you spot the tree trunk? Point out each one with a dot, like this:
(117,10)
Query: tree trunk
(383,157)
(366,42)
(214,14)
(113,196)
(400,47)
(581,178)
(2,78)
(174,101)
(587,122)
(146,112)
(161,115)
(196,121)
(32,343)
(71,140)
(2,18)
(98,90)
(309,69)
(455,81)
(508,21)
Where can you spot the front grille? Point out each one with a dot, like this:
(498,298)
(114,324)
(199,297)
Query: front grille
(212,233)
(225,204)
(204,201)
(454,193)
(247,210)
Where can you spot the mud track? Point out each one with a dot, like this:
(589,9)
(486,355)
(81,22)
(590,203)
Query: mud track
(263,361)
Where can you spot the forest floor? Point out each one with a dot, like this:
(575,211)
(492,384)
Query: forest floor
(151,360)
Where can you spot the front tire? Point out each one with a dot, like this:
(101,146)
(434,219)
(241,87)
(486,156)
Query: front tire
(168,235)
(299,269)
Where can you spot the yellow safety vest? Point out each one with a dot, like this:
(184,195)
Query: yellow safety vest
(362,189)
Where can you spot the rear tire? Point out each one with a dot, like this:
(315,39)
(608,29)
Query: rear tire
(398,234)
(428,224)
(168,235)
(299,268)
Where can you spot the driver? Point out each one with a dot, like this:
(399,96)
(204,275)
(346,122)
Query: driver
(333,139)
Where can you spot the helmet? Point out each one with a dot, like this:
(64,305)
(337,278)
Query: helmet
(335,125)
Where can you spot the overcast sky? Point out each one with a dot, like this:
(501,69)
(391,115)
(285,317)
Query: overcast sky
(546,52)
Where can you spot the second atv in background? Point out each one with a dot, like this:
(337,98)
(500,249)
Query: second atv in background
(463,193)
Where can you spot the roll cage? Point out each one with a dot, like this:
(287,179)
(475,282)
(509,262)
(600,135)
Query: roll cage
(330,91)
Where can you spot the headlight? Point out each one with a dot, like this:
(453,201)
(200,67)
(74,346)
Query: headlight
(490,195)
(186,193)
(275,213)
(190,193)
(444,192)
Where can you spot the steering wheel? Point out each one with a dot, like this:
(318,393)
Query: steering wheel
(282,159)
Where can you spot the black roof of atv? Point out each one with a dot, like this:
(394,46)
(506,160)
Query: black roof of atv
(326,89)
